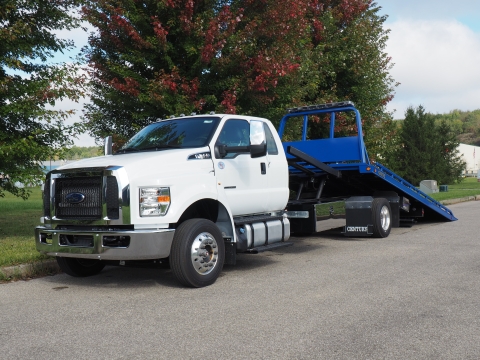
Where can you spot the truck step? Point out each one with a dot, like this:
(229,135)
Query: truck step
(260,249)
(252,219)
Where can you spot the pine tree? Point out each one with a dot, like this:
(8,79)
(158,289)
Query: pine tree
(417,137)
(450,165)
(427,151)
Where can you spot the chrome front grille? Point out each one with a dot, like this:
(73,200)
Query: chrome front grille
(88,209)
(92,195)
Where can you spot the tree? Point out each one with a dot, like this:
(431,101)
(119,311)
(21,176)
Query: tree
(348,62)
(427,151)
(31,130)
(450,166)
(79,152)
(151,59)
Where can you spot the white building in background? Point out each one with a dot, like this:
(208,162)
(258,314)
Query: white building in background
(471,155)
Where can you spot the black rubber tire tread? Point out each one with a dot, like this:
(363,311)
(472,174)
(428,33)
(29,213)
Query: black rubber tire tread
(180,255)
(80,267)
(377,205)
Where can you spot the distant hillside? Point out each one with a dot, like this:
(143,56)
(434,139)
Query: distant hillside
(80,152)
(466,124)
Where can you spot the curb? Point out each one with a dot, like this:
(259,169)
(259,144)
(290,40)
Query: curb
(459,200)
(28,271)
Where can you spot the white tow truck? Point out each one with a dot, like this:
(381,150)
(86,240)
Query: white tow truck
(196,190)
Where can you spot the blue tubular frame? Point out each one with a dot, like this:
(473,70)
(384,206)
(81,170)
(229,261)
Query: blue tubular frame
(333,109)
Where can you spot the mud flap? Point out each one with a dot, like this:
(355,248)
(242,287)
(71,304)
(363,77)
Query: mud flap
(359,216)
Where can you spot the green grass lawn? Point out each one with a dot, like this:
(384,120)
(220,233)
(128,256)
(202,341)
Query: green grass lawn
(18,219)
(468,187)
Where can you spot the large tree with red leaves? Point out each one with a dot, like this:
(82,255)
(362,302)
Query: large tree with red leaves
(151,59)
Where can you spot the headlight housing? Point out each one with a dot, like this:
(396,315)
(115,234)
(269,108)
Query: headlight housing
(154,201)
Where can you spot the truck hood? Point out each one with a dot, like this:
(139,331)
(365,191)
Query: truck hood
(145,162)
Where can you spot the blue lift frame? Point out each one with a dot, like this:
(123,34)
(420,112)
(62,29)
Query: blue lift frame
(347,157)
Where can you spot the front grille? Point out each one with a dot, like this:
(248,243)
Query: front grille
(88,209)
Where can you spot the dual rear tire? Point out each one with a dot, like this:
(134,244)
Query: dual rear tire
(381,217)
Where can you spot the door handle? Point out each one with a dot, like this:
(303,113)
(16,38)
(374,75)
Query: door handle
(263,168)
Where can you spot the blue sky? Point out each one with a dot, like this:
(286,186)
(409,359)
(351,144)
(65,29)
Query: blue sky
(435,46)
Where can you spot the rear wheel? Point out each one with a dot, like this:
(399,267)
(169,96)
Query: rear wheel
(381,217)
(80,267)
(198,253)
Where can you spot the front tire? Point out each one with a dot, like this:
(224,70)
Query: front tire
(381,217)
(198,253)
(80,267)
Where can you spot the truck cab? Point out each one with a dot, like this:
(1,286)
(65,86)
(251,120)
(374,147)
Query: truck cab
(193,189)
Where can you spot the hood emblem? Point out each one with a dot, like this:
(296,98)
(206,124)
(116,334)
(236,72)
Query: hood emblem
(75,198)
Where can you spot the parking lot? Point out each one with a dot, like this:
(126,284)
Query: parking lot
(413,295)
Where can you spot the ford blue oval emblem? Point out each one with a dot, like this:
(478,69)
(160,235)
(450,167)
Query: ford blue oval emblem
(75,198)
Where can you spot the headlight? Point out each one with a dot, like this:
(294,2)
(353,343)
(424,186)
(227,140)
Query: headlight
(154,201)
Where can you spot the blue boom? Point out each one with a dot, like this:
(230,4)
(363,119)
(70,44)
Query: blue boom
(337,166)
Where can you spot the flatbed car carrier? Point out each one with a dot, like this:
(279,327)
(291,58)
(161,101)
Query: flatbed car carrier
(333,179)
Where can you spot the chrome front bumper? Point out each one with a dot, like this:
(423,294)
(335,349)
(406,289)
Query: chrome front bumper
(105,245)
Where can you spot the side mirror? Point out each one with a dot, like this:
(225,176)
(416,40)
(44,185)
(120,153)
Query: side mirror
(108,146)
(258,150)
(221,150)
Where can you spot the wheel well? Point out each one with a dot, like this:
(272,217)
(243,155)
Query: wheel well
(211,210)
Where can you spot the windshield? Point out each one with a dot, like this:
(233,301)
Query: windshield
(175,133)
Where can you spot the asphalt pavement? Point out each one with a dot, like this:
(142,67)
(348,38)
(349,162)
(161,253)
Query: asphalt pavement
(413,295)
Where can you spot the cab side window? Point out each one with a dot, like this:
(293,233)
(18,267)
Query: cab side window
(271,145)
(235,133)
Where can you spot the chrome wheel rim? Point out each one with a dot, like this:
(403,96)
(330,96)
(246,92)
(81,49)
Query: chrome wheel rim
(204,253)
(385,218)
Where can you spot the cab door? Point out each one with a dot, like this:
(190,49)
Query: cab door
(240,177)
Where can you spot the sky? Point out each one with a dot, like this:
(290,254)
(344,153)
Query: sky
(435,48)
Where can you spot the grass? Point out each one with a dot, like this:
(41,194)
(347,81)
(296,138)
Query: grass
(468,187)
(18,219)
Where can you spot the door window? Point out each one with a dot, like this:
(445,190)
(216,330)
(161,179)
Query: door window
(235,133)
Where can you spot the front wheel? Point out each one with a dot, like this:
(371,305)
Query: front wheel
(381,217)
(80,267)
(198,253)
